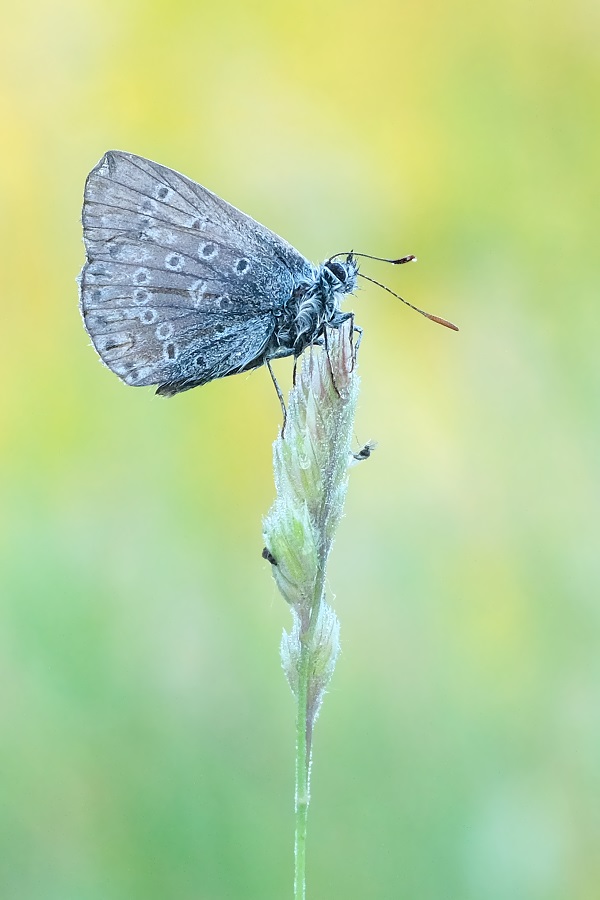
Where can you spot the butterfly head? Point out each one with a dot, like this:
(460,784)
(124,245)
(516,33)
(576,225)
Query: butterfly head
(340,275)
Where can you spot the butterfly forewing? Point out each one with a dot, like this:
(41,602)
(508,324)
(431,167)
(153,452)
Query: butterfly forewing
(179,287)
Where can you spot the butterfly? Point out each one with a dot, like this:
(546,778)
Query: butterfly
(179,287)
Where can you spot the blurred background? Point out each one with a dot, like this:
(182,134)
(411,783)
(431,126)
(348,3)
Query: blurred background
(146,744)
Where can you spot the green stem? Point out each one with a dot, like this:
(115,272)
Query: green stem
(304,727)
(311,465)
(302,773)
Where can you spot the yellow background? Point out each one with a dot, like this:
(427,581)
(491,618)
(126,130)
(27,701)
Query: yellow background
(146,741)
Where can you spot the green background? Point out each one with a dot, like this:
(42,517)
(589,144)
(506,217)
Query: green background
(146,743)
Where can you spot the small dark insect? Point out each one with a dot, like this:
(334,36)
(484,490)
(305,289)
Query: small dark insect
(365,452)
(180,288)
(266,554)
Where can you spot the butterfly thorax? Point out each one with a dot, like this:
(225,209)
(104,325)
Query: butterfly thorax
(315,304)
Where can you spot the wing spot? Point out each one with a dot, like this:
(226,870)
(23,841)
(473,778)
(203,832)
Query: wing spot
(97,320)
(97,271)
(200,362)
(142,276)
(170,351)
(139,376)
(141,296)
(219,328)
(109,343)
(162,193)
(225,303)
(97,295)
(94,321)
(242,266)
(148,205)
(148,316)
(174,262)
(164,331)
(209,250)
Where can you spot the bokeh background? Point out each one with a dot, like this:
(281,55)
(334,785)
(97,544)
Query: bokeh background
(146,743)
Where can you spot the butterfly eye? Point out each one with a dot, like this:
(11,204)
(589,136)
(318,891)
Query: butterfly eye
(338,270)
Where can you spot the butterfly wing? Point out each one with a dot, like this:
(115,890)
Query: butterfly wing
(179,287)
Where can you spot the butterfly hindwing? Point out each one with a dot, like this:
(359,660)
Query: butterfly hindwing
(179,287)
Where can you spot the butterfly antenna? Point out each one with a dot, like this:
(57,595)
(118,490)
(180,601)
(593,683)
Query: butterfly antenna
(394,262)
(427,315)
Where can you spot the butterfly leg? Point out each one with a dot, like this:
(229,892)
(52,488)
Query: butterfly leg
(279,394)
(329,361)
(355,346)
